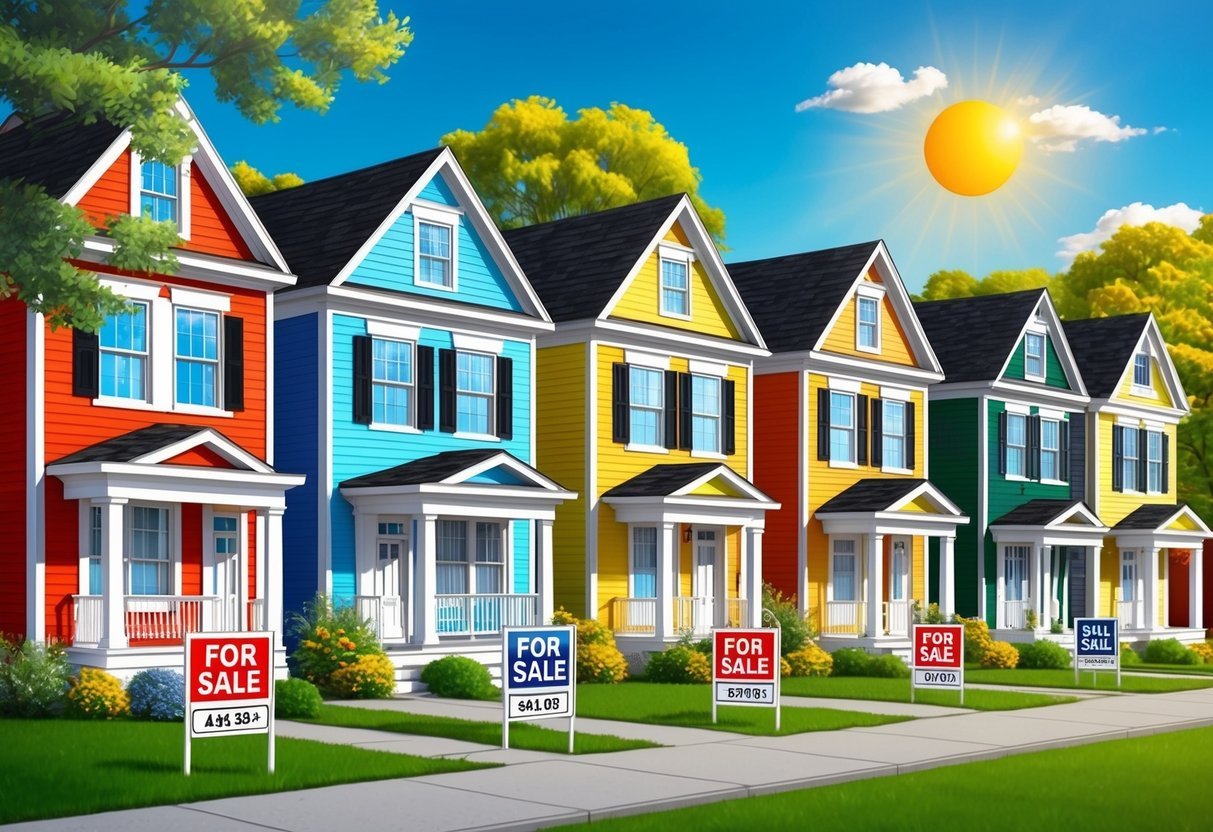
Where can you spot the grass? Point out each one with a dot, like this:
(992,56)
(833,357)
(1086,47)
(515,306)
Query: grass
(522,734)
(1194,669)
(1148,783)
(1065,679)
(898,690)
(690,706)
(57,767)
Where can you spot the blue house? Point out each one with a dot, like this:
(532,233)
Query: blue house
(405,387)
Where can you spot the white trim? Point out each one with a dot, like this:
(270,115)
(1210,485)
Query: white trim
(874,349)
(398,332)
(324,450)
(644,359)
(983,500)
(650,337)
(843,385)
(435,212)
(896,394)
(686,263)
(707,368)
(645,449)
(1126,422)
(98,169)
(1041,332)
(1019,409)
(182,169)
(269,381)
(35,478)
(195,265)
(591,484)
(675,251)
(444,219)
(1050,414)
(708,455)
(473,343)
(132,290)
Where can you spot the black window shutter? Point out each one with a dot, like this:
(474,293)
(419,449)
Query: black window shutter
(876,424)
(1033,447)
(861,430)
(1002,442)
(621,427)
(1166,464)
(670,415)
(1143,458)
(233,363)
(86,374)
(362,379)
(446,391)
(728,421)
(1118,458)
(1063,450)
(823,424)
(684,411)
(425,388)
(910,436)
(505,397)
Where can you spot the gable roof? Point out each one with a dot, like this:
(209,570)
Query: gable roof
(1103,348)
(662,480)
(1150,517)
(951,324)
(157,443)
(54,151)
(876,494)
(1043,512)
(435,468)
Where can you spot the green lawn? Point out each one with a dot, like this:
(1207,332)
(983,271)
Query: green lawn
(690,706)
(898,690)
(522,734)
(1149,783)
(1194,669)
(52,768)
(1065,679)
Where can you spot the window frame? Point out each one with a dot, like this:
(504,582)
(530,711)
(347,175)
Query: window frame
(675,260)
(1055,450)
(856,582)
(471,561)
(410,387)
(217,362)
(184,170)
(1022,474)
(873,325)
(1152,465)
(659,410)
(168,563)
(1137,387)
(902,438)
(446,218)
(491,396)
(1129,484)
(1028,356)
(851,461)
(145,356)
(634,549)
(717,417)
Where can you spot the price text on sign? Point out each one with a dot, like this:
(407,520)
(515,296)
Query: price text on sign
(730,693)
(212,721)
(745,667)
(938,658)
(1096,644)
(530,706)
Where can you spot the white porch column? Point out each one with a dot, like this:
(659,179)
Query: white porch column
(667,582)
(875,621)
(366,525)
(1166,596)
(425,606)
(947,576)
(1000,589)
(1150,590)
(543,578)
(751,576)
(113,579)
(1034,581)
(926,573)
(1047,595)
(720,579)
(1196,588)
(1093,553)
(271,565)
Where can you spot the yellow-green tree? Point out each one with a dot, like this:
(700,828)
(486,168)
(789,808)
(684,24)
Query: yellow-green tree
(254,183)
(957,283)
(531,163)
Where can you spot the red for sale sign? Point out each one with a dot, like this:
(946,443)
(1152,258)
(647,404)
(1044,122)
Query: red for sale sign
(745,667)
(938,658)
(229,687)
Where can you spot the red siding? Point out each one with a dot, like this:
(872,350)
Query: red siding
(776,472)
(110,195)
(211,230)
(13,460)
(252,555)
(62,559)
(201,457)
(1178,561)
(191,549)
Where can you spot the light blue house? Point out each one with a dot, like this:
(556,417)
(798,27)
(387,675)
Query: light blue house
(404,379)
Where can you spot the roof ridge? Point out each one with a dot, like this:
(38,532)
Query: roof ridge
(995,295)
(616,209)
(328,179)
(795,255)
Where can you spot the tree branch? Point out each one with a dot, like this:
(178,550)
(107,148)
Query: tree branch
(110,31)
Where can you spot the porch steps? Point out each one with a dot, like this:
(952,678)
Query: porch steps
(409,660)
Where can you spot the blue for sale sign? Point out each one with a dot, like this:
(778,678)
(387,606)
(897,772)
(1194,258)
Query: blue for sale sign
(539,657)
(1096,644)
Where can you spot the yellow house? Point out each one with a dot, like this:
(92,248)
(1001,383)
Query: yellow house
(1137,402)
(643,407)
(841,443)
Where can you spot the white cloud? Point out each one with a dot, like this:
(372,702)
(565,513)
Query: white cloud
(1027,100)
(1060,128)
(1138,213)
(875,88)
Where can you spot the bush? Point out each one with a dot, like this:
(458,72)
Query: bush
(933,615)
(1128,655)
(1043,655)
(810,660)
(33,678)
(598,658)
(849,661)
(977,639)
(96,694)
(1000,656)
(1203,650)
(793,630)
(296,699)
(458,677)
(370,676)
(679,665)
(785,668)
(331,640)
(158,695)
(1169,651)
(887,666)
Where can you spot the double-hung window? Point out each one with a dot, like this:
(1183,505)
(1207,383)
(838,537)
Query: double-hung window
(842,427)
(435,255)
(1130,456)
(868,323)
(391,382)
(94,550)
(159,192)
(705,413)
(1050,449)
(197,357)
(893,428)
(1034,356)
(451,555)
(483,572)
(1015,566)
(490,559)
(1141,370)
(1154,466)
(646,398)
(843,557)
(149,551)
(474,389)
(1017,444)
(675,288)
(123,345)
(644,561)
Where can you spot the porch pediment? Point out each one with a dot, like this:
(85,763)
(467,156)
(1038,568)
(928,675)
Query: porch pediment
(888,506)
(1169,525)
(1051,523)
(695,492)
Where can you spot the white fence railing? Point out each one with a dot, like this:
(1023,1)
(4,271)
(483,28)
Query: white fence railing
(255,617)
(634,616)
(690,614)
(899,617)
(1015,614)
(844,618)
(473,615)
(165,617)
(386,614)
(1129,613)
(89,613)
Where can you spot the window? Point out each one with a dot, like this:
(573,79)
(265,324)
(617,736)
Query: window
(1034,355)
(869,324)
(646,405)
(489,559)
(1017,444)
(1128,575)
(486,575)
(94,550)
(391,382)
(844,569)
(149,552)
(124,353)
(675,288)
(1016,572)
(893,428)
(900,570)
(1050,449)
(1141,370)
(1154,466)
(644,562)
(705,413)
(435,264)
(474,392)
(158,195)
(842,427)
(452,557)
(1129,458)
(197,357)
(391,529)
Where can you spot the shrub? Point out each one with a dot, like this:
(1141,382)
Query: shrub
(296,699)
(458,677)
(1169,651)
(933,615)
(96,694)
(849,661)
(785,668)
(1128,655)
(33,678)
(810,660)
(887,666)
(678,665)
(1056,627)
(1043,655)
(370,676)
(977,639)
(1000,656)
(1203,650)
(158,695)
(793,629)
(330,640)
(598,658)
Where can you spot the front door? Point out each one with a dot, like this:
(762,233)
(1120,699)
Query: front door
(1015,574)
(1129,600)
(1077,570)
(388,580)
(703,584)
(225,581)
(899,587)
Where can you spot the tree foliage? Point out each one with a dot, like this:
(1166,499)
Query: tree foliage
(957,283)
(123,61)
(531,163)
(254,183)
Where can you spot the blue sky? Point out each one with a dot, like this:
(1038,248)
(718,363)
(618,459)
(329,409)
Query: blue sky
(725,79)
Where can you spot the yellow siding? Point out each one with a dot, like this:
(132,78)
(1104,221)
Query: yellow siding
(716,488)
(612,560)
(917,589)
(708,314)
(894,347)
(1114,506)
(1109,579)
(1161,397)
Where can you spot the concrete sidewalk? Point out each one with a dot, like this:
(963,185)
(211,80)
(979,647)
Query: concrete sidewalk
(548,789)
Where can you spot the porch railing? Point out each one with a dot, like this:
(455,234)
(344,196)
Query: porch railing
(474,615)
(738,612)
(164,617)
(255,615)
(1127,612)
(634,616)
(899,617)
(89,613)
(1015,614)
(386,614)
(693,614)
(844,618)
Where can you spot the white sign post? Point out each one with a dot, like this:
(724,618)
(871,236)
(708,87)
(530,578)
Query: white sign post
(745,669)
(538,676)
(229,687)
(1096,646)
(938,660)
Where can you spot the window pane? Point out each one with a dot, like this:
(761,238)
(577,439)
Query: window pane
(472,414)
(474,372)
(158,191)
(1141,370)
(123,353)
(893,426)
(488,543)
(1034,347)
(675,288)
(842,420)
(435,254)
(647,397)
(844,570)
(867,322)
(452,541)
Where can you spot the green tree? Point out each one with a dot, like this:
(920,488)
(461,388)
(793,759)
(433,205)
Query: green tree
(957,283)
(531,163)
(123,62)
(254,183)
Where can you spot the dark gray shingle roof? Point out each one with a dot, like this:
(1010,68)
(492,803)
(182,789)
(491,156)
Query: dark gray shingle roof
(793,298)
(663,480)
(973,336)
(870,495)
(1037,512)
(54,151)
(1149,517)
(131,446)
(428,469)
(1103,348)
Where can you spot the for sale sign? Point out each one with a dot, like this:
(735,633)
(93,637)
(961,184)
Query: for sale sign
(538,675)
(1096,644)
(745,667)
(229,686)
(938,660)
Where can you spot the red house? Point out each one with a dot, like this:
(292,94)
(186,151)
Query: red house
(139,497)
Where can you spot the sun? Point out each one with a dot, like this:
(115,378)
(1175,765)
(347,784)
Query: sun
(973,147)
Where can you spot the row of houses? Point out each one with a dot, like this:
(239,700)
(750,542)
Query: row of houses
(362,387)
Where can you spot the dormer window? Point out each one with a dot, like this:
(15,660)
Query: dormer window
(675,288)
(869,323)
(159,192)
(1034,356)
(1141,370)
(435,255)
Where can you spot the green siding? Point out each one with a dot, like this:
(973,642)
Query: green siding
(1055,376)
(954,449)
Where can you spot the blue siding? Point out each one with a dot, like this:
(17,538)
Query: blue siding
(498,476)
(296,427)
(522,559)
(436,190)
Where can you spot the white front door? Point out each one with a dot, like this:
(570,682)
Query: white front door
(225,577)
(391,544)
(1130,600)
(898,622)
(703,583)
(1015,576)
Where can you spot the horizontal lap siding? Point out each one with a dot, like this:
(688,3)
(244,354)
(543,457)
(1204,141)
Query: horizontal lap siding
(110,195)
(777,473)
(211,229)
(894,347)
(13,460)
(955,451)
(62,560)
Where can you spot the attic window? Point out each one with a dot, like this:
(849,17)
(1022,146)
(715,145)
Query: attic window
(675,288)
(436,249)
(161,192)
(1141,370)
(1034,356)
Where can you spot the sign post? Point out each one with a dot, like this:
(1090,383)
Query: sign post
(745,669)
(229,687)
(538,676)
(938,660)
(1096,646)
